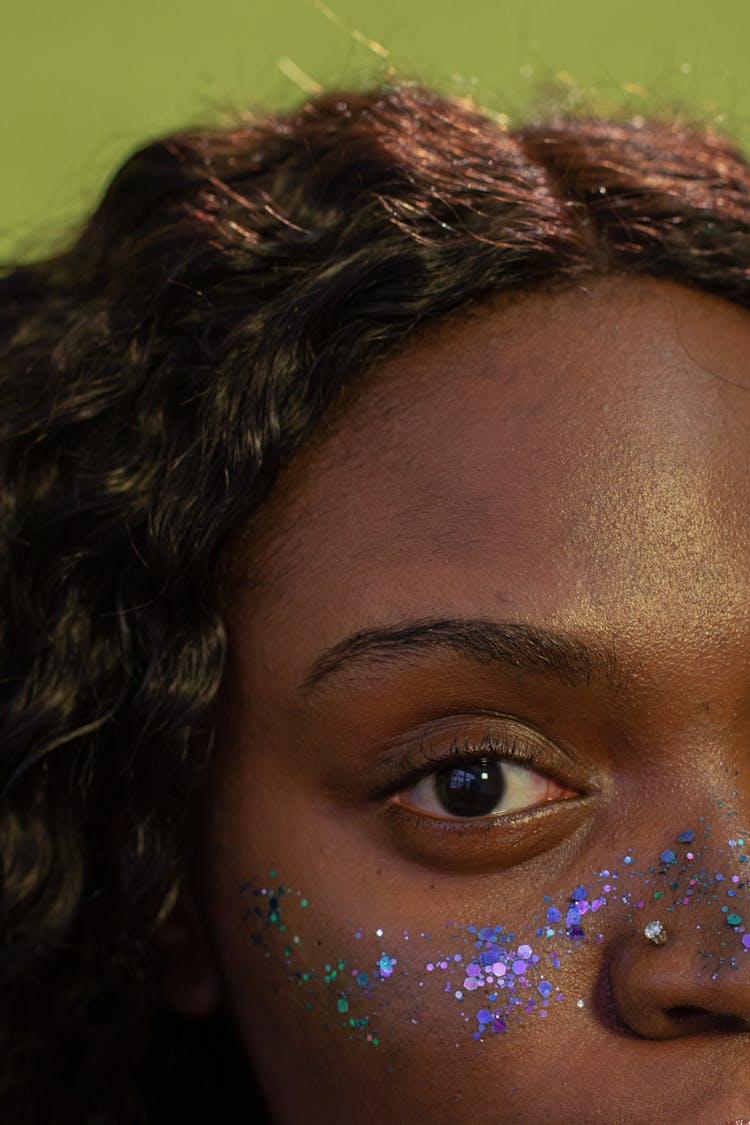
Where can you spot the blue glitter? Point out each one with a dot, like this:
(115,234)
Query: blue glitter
(508,979)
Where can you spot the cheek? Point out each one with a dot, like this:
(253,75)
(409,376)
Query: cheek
(348,974)
(356,979)
(345,1008)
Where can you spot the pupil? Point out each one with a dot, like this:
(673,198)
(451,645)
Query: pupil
(473,789)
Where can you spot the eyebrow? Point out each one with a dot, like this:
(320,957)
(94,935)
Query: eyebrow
(532,649)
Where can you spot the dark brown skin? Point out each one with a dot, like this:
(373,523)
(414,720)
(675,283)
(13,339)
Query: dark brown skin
(577,462)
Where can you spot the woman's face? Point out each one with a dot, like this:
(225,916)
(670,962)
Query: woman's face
(486,715)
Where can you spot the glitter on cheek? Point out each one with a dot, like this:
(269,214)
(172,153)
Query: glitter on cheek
(496,977)
(385,966)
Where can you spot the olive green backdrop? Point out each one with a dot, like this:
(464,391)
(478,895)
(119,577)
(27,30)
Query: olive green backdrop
(82,82)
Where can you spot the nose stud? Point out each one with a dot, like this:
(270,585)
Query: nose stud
(656,932)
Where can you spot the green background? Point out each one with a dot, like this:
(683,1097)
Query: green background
(83,82)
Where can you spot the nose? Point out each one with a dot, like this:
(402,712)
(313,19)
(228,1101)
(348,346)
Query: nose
(679,988)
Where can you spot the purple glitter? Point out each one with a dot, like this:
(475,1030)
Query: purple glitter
(497,981)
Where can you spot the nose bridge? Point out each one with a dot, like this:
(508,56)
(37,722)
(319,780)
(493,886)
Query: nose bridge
(686,729)
(709,919)
(699,884)
(690,689)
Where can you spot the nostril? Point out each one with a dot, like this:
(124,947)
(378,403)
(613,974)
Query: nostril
(703,1019)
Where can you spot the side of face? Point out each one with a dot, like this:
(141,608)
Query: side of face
(429,853)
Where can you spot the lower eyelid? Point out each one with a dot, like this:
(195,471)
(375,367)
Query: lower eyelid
(488,844)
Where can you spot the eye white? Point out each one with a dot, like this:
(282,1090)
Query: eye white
(521,788)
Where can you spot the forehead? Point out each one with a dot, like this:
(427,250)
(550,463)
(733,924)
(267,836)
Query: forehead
(573,455)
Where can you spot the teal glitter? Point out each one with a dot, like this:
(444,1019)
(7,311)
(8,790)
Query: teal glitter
(385,965)
(498,975)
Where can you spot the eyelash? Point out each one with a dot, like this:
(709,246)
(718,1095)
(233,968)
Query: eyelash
(406,773)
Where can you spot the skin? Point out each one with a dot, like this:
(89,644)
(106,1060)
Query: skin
(573,461)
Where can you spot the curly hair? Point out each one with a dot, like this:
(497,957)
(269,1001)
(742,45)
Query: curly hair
(156,376)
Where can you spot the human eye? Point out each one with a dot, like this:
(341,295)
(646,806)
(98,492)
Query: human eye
(488,777)
(479,793)
(477,780)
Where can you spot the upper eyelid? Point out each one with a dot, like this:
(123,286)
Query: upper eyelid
(491,719)
(403,759)
(500,749)
(488,746)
